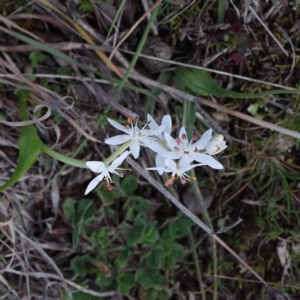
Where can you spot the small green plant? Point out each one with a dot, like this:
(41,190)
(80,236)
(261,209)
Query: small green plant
(85,6)
(150,246)
(35,58)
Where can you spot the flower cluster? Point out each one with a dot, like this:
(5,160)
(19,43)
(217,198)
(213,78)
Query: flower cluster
(175,156)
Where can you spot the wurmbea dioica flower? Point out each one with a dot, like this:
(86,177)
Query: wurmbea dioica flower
(177,168)
(215,145)
(181,147)
(175,156)
(100,167)
(137,137)
(167,121)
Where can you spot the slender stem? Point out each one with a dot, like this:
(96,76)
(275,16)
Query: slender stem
(118,152)
(197,263)
(63,158)
(199,199)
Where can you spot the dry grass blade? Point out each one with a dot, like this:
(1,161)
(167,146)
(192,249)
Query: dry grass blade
(84,35)
(203,101)
(132,29)
(10,24)
(268,30)
(250,119)
(99,92)
(66,281)
(4,281)
(63,46)
(171,62)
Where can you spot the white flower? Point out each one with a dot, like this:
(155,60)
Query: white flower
(166,120)
(137,137)
(180,168)
(215,145)
(181,147)
(99,167)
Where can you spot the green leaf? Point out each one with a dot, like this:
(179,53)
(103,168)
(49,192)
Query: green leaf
(149,235)
(29,147)
(69,208)
(176,255)
(104,281)
(132,237)
(139,204)
(153,293)
(100,238)
(125,282)
(155,260)
(122,258)
(148,277)
(75,239)
(201,83)
(79,264)
(36,57)
(180,227)
(108,197)
(167,239)
(129,185)
(85,209)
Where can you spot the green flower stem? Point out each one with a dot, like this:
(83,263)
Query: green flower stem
(63,158)
(118,152)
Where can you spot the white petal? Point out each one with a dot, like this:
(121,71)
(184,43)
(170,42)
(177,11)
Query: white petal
(206,160)
(117,140)
(135,147)
(157,169)
(157,130)
(94,183)
(160,163)
(205,138)
(118,161)
(170,141)
(207,133)
(166,120)
(182,132)
(96,166)
(152,124)
(118,125)
(172,154)
(154,145)
(170,164)
(184,163)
